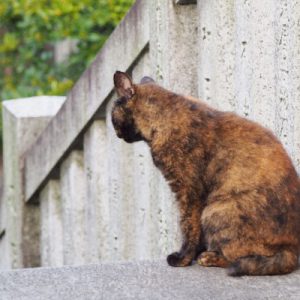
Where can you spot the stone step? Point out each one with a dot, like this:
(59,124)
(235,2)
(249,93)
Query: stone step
(142,280)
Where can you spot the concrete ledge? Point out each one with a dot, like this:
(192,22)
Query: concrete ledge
(120,51)
(143,280)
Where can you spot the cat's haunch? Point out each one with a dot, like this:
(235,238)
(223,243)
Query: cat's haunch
(237,190)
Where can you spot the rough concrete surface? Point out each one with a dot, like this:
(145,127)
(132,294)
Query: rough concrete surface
(144,280)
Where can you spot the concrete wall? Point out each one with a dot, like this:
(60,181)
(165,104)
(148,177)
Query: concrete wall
(101,199)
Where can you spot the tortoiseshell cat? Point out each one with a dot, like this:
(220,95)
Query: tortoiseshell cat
(237,190)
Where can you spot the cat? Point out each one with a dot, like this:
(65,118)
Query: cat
(237,190)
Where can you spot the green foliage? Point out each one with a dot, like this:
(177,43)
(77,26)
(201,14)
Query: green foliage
(28,31)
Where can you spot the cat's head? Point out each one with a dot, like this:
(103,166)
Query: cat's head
(123,110)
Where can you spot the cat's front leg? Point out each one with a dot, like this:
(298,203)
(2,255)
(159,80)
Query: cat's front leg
(190,223)
(184,257)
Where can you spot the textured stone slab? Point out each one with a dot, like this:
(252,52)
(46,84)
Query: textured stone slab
(143,280)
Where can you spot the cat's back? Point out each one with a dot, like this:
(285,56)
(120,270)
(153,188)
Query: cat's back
(252,175)
(233,129)
(249,156)
(248,139)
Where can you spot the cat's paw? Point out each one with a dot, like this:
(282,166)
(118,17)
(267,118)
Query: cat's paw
(212,259)
(173,259)
(177,260)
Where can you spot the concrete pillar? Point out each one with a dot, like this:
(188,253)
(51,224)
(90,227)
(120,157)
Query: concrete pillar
(237,56)
(121,200)
(146,227)
(294,72)
(97,204)
(51,246)
(216,48)
(72,186)
(23,121)
(173,58)
(287,68)
(243,69)
(155,211)
(173,45)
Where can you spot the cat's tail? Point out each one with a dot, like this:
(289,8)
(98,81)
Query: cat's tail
(283,262)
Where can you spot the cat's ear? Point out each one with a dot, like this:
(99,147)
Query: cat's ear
(147,79)
(123,85)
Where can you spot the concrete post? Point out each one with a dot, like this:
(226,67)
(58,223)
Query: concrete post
(173,56)
(173,45)
(97,197)
(51,225)
(155,212)
(23,121)
(121,202)
(72,185)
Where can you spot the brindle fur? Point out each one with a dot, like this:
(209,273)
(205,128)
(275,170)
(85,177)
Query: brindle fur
(237,190)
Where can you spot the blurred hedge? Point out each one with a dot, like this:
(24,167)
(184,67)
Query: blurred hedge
(28,31)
